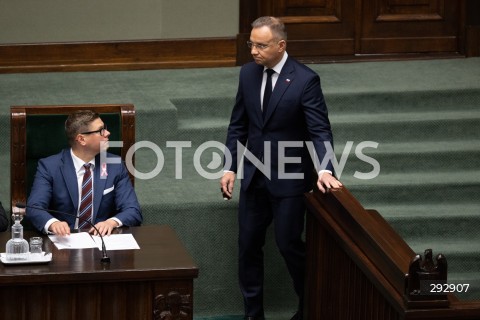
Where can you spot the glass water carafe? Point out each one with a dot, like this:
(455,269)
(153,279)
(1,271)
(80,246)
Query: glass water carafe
(17,247)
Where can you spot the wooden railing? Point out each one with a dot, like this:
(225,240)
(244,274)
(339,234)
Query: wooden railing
(118,55)
(358,267)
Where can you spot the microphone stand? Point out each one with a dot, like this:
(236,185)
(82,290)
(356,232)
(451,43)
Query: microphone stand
(105,259)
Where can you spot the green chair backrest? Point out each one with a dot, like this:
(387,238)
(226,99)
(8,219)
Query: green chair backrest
(45,136)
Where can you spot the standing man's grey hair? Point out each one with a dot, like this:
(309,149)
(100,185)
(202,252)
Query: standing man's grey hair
(275,24)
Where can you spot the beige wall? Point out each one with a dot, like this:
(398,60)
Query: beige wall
(34,21)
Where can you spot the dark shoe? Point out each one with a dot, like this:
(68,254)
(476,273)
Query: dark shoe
(297,316)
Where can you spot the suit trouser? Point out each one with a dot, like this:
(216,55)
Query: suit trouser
(257,209)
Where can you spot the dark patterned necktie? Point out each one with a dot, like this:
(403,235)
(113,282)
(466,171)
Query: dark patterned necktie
(86,202)
(268,91)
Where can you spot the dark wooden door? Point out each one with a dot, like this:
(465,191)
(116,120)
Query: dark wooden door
(318,27)
(409,26)
(320,30)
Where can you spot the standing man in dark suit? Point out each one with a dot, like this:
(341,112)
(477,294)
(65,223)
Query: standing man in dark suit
(279,111)
(106,197)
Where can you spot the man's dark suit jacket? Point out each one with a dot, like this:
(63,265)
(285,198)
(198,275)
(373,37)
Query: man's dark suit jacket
(55,187)
(296,112)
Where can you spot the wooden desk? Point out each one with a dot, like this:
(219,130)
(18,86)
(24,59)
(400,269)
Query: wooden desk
(154,282)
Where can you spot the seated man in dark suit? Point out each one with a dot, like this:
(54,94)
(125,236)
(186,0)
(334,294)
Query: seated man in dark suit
(75,182)
(3,219)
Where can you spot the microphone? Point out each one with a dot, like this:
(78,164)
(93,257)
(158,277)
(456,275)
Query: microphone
(104,259)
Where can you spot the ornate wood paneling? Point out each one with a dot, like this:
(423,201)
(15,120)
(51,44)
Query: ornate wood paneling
(319,30)
(410,10)
(409,26)
(315,27)
(329,30)
(308,10)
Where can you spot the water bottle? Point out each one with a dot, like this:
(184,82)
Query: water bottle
(17,247)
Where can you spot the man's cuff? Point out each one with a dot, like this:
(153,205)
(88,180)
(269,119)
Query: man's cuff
(48,224)
(118,221)
(323,171)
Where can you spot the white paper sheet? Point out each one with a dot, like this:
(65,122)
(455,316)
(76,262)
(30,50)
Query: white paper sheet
(84,240)
(117,242)
(81,240)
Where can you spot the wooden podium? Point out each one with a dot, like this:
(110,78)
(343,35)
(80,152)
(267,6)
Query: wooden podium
(155,282)
(357,267)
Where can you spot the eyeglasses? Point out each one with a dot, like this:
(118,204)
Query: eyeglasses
(102,131)
(259,46)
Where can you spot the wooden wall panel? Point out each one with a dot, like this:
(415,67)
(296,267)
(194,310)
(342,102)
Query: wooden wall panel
(349,30)
(315,27)
(306,8)
(318,30)
(124,55)
(409,26)
(472,37)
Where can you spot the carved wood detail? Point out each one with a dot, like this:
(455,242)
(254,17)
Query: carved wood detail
(408,10)
(308,11)
(352,30)
(421,274)
(172,306)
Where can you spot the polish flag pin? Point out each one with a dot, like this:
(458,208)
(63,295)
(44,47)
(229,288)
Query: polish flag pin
(287,80)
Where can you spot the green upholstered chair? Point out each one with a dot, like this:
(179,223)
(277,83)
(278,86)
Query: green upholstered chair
(38,132)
